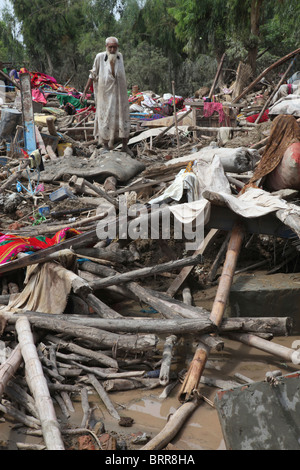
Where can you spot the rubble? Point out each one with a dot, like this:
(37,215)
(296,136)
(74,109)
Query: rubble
(82,233)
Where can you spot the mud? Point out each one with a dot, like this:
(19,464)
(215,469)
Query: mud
(150,413)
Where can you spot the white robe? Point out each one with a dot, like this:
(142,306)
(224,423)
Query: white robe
(112,108)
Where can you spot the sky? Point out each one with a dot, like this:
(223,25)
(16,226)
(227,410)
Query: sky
(4,3)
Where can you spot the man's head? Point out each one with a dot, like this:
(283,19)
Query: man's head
(112,45)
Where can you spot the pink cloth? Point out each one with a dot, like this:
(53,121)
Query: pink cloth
(38,96)
(211,107)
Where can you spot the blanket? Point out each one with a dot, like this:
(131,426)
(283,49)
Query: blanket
(11,245)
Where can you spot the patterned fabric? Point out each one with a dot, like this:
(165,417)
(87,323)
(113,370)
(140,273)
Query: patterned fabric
(211,107)
(11,245)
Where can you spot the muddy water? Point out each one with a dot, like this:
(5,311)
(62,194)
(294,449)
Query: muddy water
(202,431)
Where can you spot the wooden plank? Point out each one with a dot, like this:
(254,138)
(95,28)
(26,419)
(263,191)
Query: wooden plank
(177,283)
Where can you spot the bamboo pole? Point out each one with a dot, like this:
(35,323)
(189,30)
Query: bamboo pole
(175,118)
(195,371)
(287,354)
(38,386)
(172,427)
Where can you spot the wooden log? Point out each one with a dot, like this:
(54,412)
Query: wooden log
(268,69)
(51,153)
(172,427)
(96,336)
(100,307)
(195,371)
(51,126)
(10,79)
(166,305)
(40,141)
(38,385)
(145,272)
(177,325)
(277,326)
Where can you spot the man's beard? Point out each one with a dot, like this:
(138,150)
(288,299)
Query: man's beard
(111,57)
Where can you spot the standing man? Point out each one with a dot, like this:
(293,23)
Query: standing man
(112,119)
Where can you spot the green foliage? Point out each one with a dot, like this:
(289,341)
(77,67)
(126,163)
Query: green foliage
(11,50)
(201,25)
(161,40)
(147,67)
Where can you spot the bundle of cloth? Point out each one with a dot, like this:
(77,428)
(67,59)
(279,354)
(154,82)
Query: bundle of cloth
(279,167)
(11,245)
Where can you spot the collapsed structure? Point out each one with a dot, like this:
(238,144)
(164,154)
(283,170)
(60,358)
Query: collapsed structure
(83,231)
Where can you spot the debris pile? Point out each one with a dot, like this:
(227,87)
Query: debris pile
(85,231)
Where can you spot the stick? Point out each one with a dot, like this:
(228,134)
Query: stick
(101,193)
(11,80)
(38,385)
(104,397)
(217,76)
(97,356)
(85,407)
(159,136)
(274,91)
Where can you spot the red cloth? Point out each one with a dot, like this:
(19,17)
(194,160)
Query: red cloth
(211,107)
(253,117)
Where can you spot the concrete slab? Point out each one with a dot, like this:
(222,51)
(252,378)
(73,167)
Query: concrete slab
(262,295)
(261,415)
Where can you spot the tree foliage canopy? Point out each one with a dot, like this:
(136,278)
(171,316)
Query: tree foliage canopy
(161,40)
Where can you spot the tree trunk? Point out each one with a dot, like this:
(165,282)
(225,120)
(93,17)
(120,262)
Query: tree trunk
(253,49)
